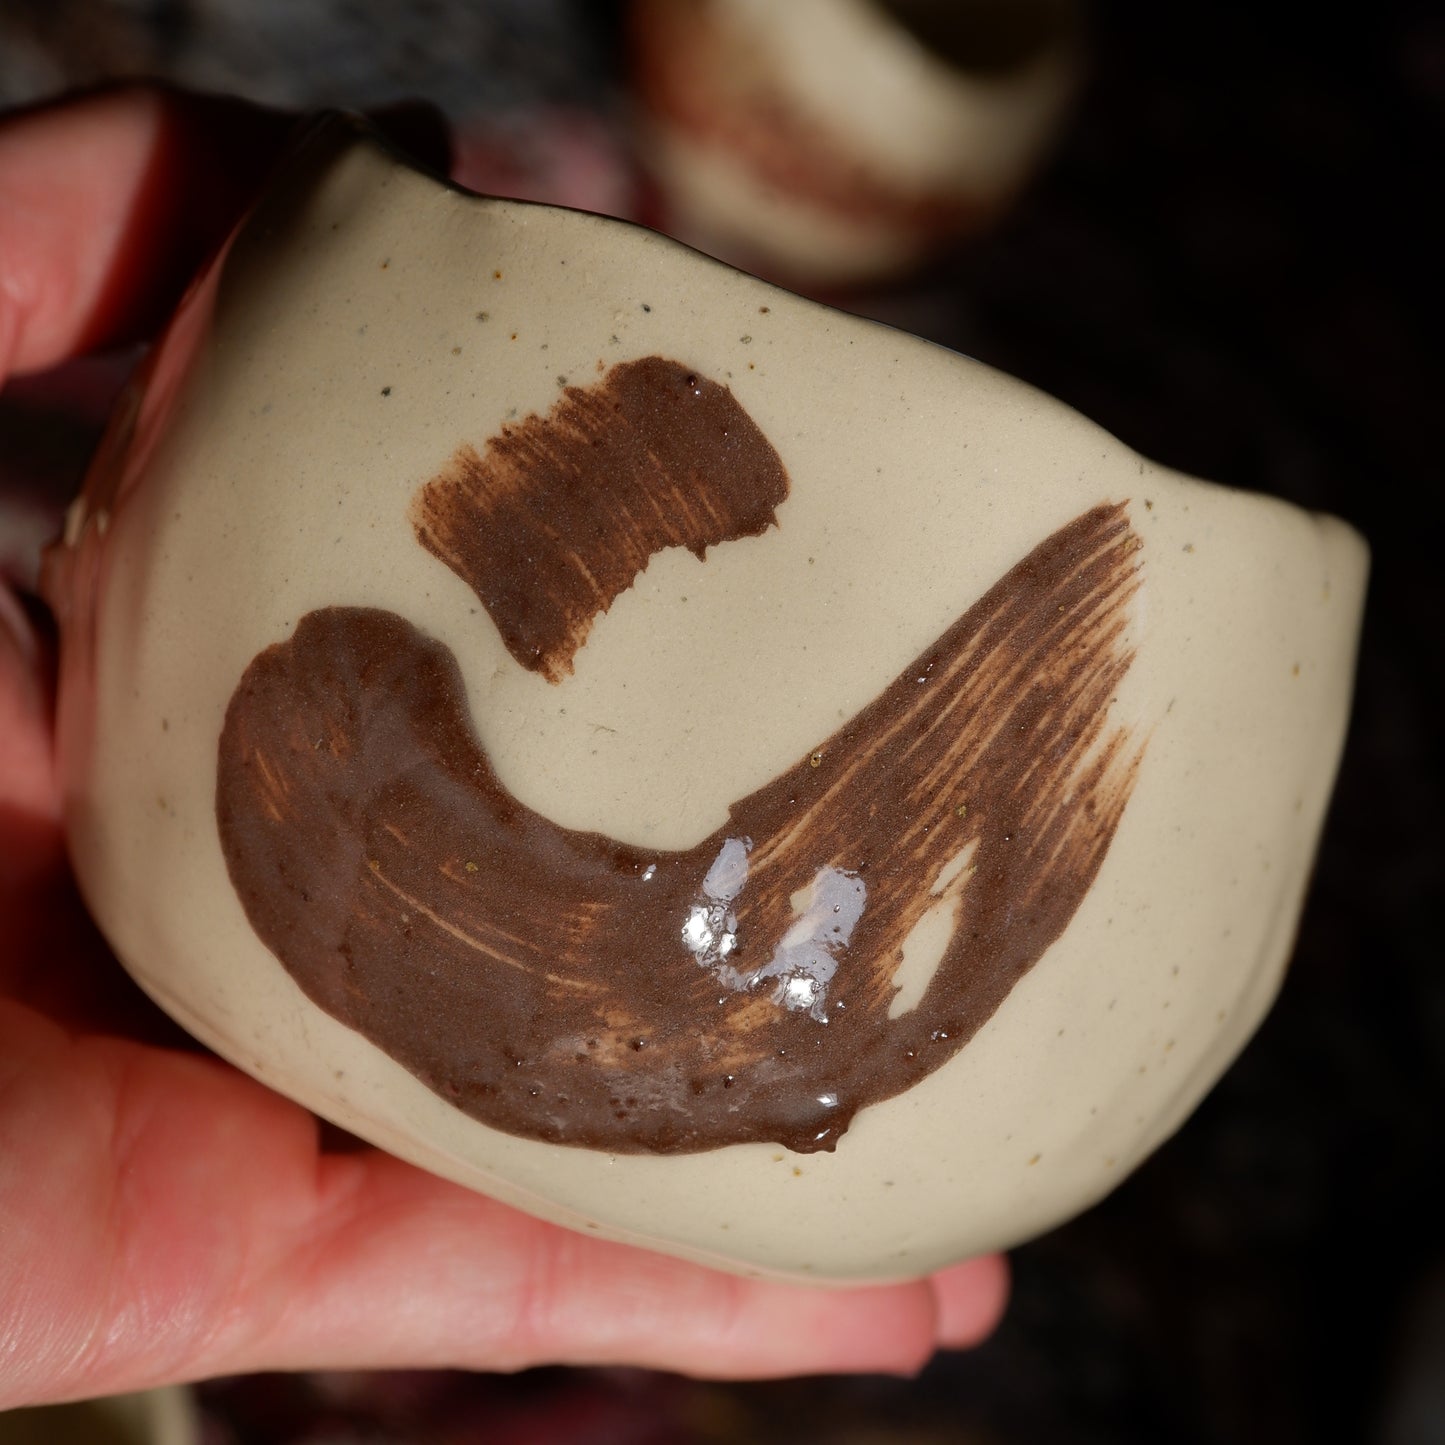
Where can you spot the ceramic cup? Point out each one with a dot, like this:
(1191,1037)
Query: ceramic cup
(700,767)
(833,143)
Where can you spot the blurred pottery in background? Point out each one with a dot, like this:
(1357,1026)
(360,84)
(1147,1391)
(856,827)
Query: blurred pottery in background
(697,766)
(831,143)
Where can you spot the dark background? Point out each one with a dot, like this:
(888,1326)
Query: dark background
(1231,260)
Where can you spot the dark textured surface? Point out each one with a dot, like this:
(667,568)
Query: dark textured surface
(472,59)
(1231,262)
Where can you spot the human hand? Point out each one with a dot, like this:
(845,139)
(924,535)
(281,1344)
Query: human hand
(162,1216)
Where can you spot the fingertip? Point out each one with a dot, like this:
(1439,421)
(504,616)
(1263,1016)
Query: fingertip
(882,1329)
(584,1300)
(112,199)
(970,1300)
(671,1314)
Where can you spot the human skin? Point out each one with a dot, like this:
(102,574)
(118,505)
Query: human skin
(162,1216)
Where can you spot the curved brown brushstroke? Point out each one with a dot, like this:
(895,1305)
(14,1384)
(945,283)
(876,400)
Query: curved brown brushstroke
(560,513)
(538,977)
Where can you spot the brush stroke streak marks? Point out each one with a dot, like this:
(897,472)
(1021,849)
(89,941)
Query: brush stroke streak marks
(559,513)
(540,978)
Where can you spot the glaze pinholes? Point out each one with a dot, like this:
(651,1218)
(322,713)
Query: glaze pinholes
(566,987)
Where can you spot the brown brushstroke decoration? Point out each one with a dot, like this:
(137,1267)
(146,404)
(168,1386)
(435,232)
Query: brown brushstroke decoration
(560,513)
(542,979)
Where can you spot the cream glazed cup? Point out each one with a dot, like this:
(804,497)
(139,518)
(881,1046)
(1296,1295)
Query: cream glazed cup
(697,766)
(842,142)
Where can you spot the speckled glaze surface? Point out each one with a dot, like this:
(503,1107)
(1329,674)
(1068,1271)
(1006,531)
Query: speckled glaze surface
(371,334)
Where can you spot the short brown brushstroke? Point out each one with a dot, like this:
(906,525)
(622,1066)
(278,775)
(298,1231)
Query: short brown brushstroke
(560,513)
(537,978)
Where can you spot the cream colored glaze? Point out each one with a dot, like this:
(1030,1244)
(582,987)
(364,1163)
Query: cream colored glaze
(282,484)
(720,204)
(888,109)
(904,112)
